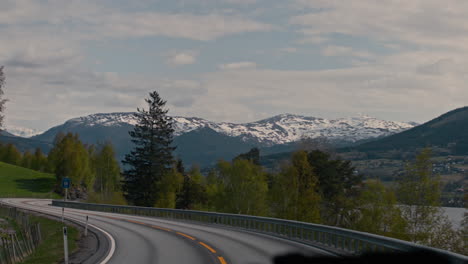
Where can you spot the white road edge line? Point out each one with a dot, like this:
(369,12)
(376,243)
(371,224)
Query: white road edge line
(112,249)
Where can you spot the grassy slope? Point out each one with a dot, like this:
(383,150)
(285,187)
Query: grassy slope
(20,182)
(51,249)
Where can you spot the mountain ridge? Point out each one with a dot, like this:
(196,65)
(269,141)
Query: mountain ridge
(447,132)
(279,129)
(203,142)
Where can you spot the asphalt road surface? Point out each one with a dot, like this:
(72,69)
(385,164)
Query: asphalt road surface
(138,240)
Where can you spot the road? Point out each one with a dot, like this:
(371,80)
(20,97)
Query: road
(135,239)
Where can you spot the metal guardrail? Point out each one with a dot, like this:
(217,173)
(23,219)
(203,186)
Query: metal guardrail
(336,239)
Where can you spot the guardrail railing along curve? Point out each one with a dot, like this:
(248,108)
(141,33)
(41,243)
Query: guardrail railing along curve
(337,239)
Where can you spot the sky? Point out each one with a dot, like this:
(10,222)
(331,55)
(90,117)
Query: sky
(233,60)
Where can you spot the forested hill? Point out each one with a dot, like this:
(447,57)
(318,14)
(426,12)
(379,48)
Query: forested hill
(448,133)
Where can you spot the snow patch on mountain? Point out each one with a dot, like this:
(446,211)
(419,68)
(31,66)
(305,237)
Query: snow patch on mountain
(22,131)
(278,129)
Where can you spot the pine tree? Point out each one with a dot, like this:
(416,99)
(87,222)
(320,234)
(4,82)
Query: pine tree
(151,159)
(2,101)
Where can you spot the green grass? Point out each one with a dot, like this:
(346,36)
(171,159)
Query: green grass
(51,248)
(21,182)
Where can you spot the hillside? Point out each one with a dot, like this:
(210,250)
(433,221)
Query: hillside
(447,133)
(205,147)
(20,182)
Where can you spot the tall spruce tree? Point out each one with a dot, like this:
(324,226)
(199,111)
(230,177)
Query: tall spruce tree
(151,159)
(2,101)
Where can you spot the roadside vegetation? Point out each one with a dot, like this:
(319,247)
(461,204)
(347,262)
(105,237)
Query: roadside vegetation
(51,249)
(44,239)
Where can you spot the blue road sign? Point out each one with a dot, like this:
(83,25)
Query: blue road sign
(66,183)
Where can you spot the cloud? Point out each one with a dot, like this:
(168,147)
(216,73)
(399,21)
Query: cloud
(421,73)
(241,2)
(312,39)
(288,50)
(390,94)
(238,65)
(333,50)
(182,58)
(418,22)
(189,26)
(91,20)
(43,49)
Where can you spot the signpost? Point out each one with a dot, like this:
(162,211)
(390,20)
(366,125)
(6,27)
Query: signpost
(66,182)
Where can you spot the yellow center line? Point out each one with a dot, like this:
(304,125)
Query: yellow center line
(221,259)
(208,247)
(135,222)
(162,228)
(187,236)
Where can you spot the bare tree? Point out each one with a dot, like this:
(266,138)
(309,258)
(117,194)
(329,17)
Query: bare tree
(2,101)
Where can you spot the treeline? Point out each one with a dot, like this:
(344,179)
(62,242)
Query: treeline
(93,170)
(35,161)
(315,187)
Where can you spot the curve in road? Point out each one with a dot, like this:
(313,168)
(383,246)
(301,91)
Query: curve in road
(137,239)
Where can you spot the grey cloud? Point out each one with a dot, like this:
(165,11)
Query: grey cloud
(21,64)
(431,23)
(408,84)
(184,102)
(440,67)
(92,20)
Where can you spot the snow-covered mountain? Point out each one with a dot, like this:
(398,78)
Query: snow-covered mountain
(22,131)
(279,129)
